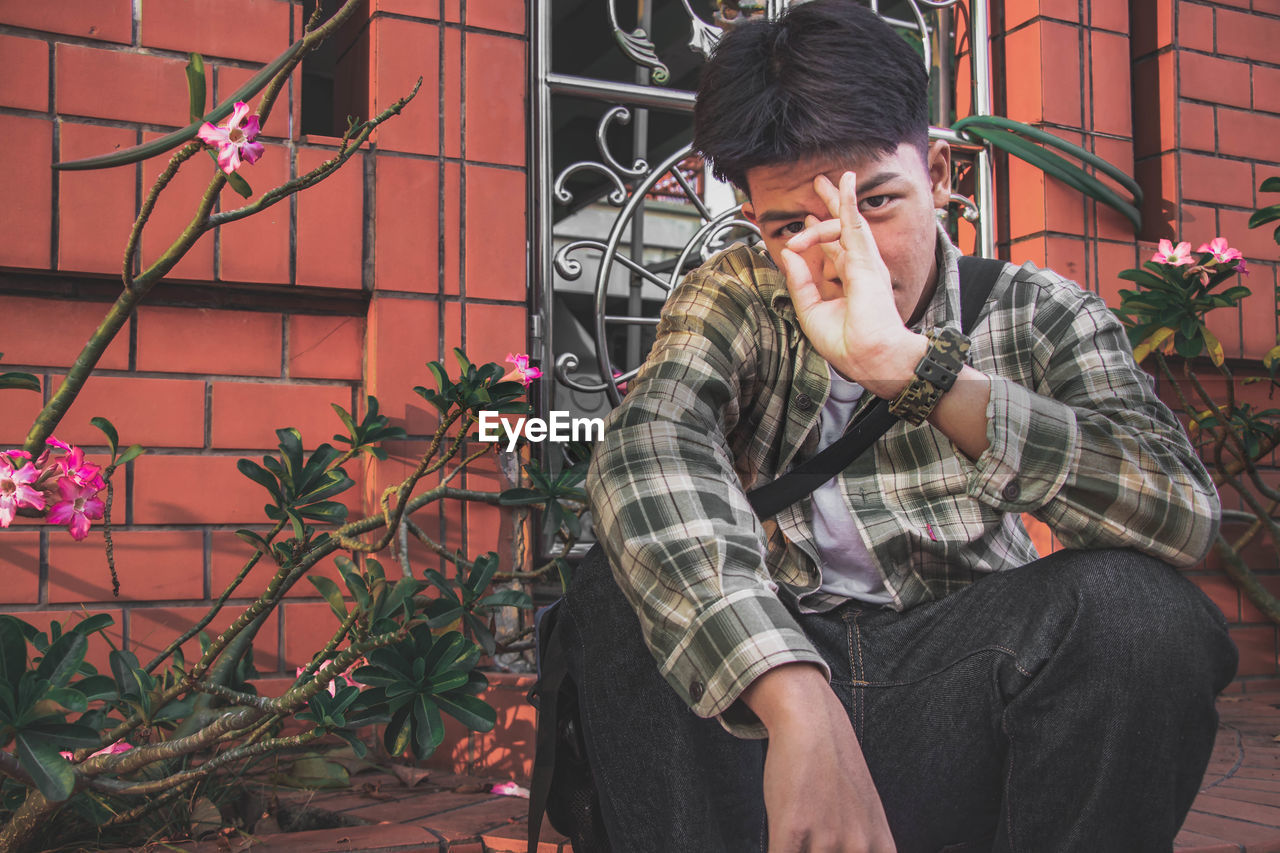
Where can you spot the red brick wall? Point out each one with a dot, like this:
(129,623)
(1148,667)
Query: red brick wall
(412,248)
(1183,95)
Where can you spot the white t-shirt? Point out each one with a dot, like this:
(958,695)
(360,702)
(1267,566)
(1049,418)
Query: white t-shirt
(847,567)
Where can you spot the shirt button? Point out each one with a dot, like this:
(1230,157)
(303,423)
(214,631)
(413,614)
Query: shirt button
(804,402)
(696,689)
(1011,491)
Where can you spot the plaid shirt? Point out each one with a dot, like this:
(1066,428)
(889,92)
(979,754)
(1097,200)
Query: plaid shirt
(730,398)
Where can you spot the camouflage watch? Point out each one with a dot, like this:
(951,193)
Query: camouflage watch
(935,374)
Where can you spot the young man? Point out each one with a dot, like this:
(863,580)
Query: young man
(923,680)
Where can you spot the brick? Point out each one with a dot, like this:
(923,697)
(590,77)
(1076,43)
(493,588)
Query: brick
(256,249)
(195,490)
(331,223)
(227,558)
(256,30)
(206,340)
(452,77)
(1197,128)
(65,326)
(1248,134)
(453,11)
(26,153)
(173,212)
(1157,176)
(506,15)
(1064,208)
(20,563)
(247,414)
(1266,88)
(1110,16)
(1065,256)
(95,207)
(24,73)
(325,347)
(402,336)
(497,90)
(1210,179)
(1256,244)
(426,9)
(145,88)
(150,412)
(105,20)
(308,626)
(153,628)
(153,565)
(1109,73)
(403,52)
(452,236)
(1114,258)
(1022,75)
(1151,25)
(1195,26)
(407,218)
(1153,105)
(99,650)
(1060,49)
(1248,35)
(1213,79)
(493,331)
(1257,646)
(496,245)
(20,410)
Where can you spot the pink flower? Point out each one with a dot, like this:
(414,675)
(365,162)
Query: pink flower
(53,441)
(509,789)
(233,142)
(79,504)
(1177,256)
(1224,254)
(523,372)
(115,748)
(16,490)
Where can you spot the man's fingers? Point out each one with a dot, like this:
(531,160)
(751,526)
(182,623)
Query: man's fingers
(855,236)
(815,232)
(829,194)
(800,284)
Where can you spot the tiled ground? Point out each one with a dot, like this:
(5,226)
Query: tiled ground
(1238,809)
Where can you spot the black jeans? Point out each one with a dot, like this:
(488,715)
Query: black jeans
(1066,705)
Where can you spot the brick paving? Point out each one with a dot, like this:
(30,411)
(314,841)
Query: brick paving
(1237,810)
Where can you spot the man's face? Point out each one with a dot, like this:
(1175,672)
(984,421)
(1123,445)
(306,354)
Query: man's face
(898,194)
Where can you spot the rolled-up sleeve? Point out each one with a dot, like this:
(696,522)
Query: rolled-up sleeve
(1088,448)
(668,508)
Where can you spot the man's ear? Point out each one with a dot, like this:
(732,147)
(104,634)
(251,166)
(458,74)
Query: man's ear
(939,165)
(749,213)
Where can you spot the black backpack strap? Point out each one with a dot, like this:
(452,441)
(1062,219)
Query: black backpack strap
(545,695)
(978,277)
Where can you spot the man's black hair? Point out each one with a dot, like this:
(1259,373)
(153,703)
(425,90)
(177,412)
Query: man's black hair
(829,78)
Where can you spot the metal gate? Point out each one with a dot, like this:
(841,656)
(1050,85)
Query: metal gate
(620,211)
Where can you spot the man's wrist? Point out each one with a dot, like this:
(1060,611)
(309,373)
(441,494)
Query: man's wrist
(894,367)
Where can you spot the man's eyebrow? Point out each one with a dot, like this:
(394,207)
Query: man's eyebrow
(864,187)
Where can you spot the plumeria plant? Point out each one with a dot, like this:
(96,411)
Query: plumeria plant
(129,754)
(1166,322)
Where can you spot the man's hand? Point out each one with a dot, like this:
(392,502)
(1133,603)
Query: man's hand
(855,326)
(817,791)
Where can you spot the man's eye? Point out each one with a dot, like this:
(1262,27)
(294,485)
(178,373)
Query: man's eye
(875,202)
(791,228)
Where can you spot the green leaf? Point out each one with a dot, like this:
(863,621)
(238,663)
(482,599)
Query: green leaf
(63,659)
(52,773)
(173,140)
(1271,184)
(13,652)
(259,475)
(237,183)
(473,713)
(69,698)
(1263,215)
(109,430)
(22,381)
(196,86)
(131,453)
(254,539)
(507,598)
(331,594)
(315,772)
